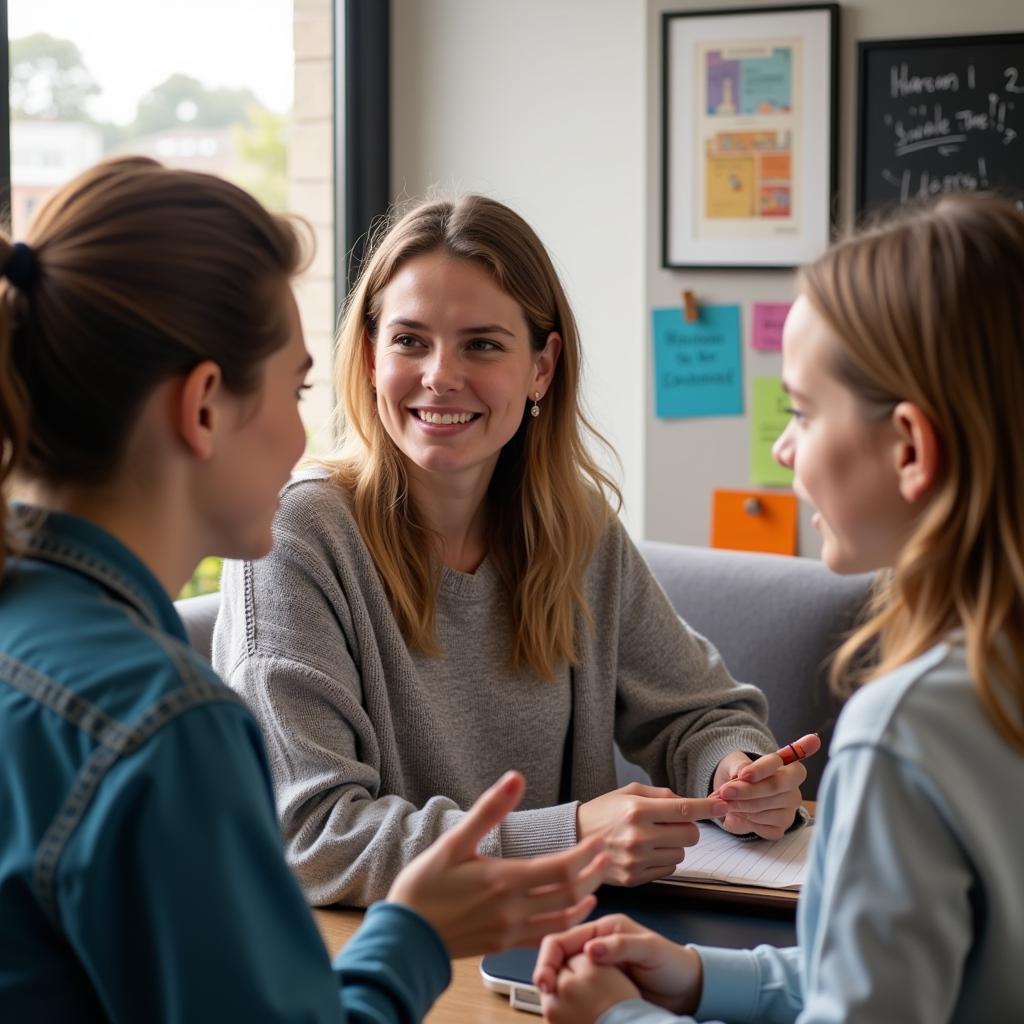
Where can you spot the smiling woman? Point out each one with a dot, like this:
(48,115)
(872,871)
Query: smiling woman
(453,364)
(451,594)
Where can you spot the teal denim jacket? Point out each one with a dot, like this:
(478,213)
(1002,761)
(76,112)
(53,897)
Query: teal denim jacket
(141,870)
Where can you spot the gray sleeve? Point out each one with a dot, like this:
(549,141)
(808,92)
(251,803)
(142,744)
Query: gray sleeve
(284,642)
(679,710)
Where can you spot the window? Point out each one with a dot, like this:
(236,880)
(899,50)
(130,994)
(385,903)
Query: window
(251,91)
(242,91)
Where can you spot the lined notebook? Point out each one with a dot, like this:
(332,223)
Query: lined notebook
(721,857)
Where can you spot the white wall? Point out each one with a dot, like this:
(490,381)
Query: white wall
(540,104)
(553,106)
(686,459)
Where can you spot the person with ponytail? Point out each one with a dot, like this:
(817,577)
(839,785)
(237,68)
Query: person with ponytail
(451,594)
(151,362)
(904,362)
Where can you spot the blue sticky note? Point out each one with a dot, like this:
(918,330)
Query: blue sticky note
(697,368)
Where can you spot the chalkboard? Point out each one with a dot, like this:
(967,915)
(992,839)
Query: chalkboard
(939,115)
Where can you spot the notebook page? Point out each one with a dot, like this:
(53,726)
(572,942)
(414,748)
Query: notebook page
(721,857)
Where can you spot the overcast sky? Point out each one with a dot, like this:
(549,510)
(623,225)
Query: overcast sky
(131,45)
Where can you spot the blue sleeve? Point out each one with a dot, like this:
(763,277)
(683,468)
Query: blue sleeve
(394,958)
(761,985)
(638,1011)
(741,986)
(885,917)
(891,926)
(176,898)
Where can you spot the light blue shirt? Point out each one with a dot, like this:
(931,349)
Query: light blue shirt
(141,871)
(913,908)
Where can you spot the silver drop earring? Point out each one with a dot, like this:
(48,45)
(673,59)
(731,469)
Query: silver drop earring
(535,411)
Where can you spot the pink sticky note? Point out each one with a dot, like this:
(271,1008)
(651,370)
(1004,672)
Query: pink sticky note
(768,320)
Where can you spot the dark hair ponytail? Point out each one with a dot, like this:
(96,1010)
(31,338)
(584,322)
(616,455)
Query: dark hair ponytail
(136,273)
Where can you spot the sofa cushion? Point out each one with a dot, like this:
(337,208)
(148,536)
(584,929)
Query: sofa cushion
(775,620)
(199,615)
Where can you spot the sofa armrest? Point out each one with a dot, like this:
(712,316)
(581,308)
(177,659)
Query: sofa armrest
(199,615)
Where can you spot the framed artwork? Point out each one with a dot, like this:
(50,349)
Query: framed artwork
(749,108)
(939,115)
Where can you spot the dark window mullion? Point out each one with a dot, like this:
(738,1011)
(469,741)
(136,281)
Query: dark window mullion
(5,123)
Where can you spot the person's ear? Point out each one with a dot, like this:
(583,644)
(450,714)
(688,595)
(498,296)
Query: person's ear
(197,415)
(918,451)
(544,367)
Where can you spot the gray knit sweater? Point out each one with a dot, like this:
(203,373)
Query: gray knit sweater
(376,749)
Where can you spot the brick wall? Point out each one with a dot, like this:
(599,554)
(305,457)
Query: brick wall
(311,194)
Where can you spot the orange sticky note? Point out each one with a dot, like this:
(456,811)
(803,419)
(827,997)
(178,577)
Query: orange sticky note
(754,521)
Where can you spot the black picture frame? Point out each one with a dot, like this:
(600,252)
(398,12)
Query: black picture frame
(790,218)
(918,136)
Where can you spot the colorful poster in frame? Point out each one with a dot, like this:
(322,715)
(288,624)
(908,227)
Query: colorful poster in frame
(749,103)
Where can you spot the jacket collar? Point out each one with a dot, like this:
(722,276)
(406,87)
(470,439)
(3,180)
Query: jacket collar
(83,547)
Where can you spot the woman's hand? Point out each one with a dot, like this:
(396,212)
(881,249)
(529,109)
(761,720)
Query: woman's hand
(584,991)
(645,829)
(483,904)
(764,800)
(662,972)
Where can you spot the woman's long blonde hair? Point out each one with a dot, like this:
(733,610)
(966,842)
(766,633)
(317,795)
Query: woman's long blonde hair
(929,308)
(548,501)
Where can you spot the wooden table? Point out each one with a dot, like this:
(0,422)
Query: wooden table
(468,1001)
(465,1001)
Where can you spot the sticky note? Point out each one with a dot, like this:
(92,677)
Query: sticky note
(697,369)
(768,318)
(768,420)
(754,521)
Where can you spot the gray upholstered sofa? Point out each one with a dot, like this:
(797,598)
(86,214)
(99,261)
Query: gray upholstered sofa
(775,620)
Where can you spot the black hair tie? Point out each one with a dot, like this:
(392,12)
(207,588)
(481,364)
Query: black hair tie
(21,266)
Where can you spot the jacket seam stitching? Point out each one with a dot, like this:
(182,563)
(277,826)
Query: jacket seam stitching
(170,707)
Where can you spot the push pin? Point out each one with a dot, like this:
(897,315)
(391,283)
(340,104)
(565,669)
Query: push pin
(753,506)
(692,313)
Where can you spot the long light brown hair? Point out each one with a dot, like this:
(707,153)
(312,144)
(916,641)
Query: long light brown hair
(141,272)
(548,500)
(929,308)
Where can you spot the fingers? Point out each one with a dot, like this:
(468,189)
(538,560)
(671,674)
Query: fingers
(673,837)
(489,810)
(677,809)
(760,769)
(651,792)
(571,882)
(652,873)
(781,802)
(771,763)
(538,926)
(583,866)
(785,780)
(642,948)
(768,826)
(557,950)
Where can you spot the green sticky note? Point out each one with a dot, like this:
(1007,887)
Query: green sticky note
(769,419)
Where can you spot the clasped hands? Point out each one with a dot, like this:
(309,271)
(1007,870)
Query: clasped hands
(587,970)
(646,829)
